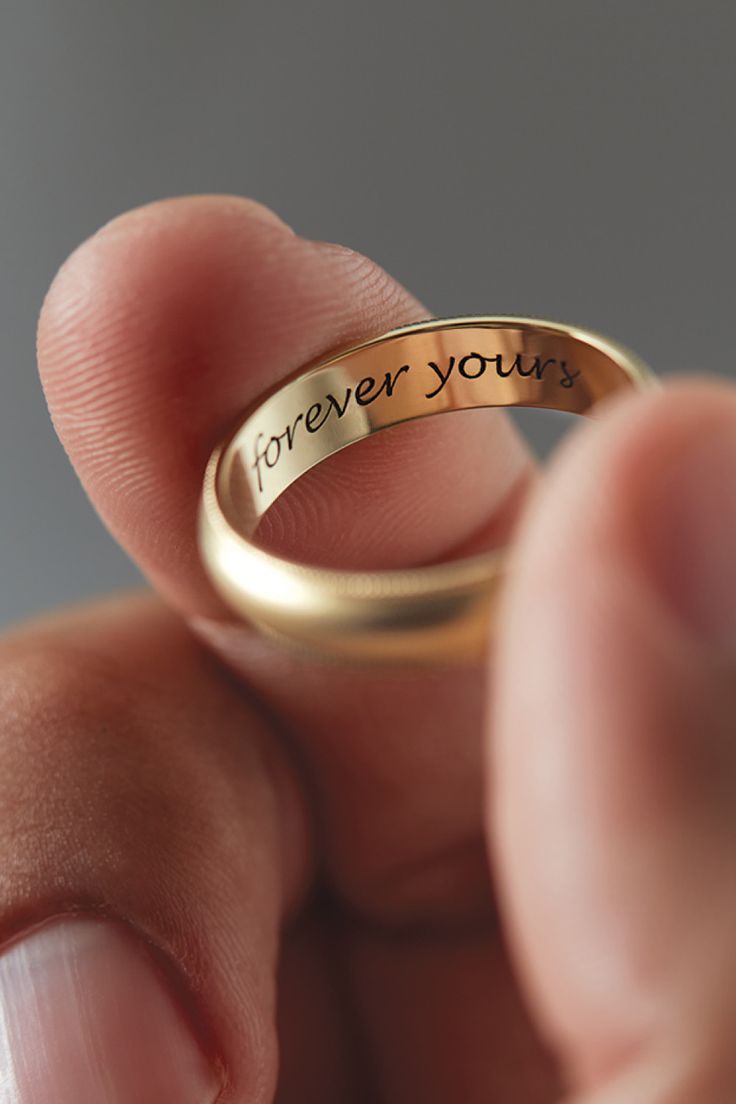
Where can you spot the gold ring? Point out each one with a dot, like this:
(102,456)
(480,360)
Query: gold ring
(435,613)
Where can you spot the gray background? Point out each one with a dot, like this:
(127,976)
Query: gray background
(566,159)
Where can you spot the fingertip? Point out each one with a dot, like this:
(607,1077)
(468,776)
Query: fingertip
(108,255)
(198,282)
(602,497)
(163,325)
(609,718)
(172,213)
(672,478)
(166,324)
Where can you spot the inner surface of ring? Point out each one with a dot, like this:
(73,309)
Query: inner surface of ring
(414,373)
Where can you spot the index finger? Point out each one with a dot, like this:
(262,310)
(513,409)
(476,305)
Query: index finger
(155,334)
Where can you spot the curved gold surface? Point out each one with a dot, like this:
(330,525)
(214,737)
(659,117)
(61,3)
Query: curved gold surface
(435,613)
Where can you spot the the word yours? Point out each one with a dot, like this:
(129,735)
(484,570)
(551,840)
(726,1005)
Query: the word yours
(474,365)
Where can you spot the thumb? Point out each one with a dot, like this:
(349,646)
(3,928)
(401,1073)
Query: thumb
(613,757)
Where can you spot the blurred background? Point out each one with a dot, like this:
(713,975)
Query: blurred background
(568,159)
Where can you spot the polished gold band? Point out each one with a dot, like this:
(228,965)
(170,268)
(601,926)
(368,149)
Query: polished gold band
(435,613)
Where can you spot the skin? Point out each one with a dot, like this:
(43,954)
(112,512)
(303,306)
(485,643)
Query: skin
(509,881)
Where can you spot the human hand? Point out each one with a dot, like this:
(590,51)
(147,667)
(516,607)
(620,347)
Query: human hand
(211,848)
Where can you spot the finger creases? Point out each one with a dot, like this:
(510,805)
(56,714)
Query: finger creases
(155,335)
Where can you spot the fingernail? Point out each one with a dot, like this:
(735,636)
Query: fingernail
(87,1017)
(690,512)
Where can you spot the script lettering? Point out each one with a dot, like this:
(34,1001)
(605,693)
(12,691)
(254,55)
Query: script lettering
(268,449)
